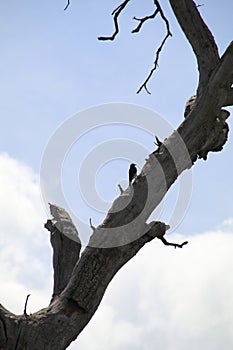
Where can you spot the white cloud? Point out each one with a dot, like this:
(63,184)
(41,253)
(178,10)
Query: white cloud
(227,225)
(25,257)
(169,299)
(163,298)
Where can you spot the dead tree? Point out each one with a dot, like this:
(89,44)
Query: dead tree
(81,280)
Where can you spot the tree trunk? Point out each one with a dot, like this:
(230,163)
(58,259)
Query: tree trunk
(80,281)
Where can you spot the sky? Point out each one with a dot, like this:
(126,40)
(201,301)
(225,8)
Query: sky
(65,94)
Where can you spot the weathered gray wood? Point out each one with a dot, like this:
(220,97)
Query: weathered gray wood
(199,37)
(80,282)
(66,247)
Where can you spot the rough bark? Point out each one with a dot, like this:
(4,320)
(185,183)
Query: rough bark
(199,37)
(80,282)
(65,243)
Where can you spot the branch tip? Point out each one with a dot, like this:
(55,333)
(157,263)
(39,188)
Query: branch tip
(159,10)
(121,189)
(91,226)
(115,15)
(144,85)
(25,306)
(175,245)
(68,4)
(156,61)
(142,20)
(157,142)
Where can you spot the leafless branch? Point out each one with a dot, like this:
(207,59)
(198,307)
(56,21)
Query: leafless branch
(115,13)
(175,245)
(65,242)
(159,10)
(229,98)
(68,4)
(144,19)
(144,85)
(157,142)
(91,226)
(25,306)
(80,282)
(121,189)
(200,38)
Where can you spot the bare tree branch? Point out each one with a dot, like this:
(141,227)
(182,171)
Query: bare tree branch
(160,235)
(199,36)
(65,242)
(88,296)
(73,308)
(229,98)
(176,245)
(91,226)
(80,282)
(107,246)
(121,189)
(25,306)
(142,20)
(159,10)
(116,14)
(68,4)
(9,328)
(144,85)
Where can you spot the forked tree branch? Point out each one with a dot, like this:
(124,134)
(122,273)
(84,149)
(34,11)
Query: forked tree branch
(175,245)
(125,231)
(115,15)
(144,19)
(158,10)
(64,240)
(168,33)
(90,276)
(144,85)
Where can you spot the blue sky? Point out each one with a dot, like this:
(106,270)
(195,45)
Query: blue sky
(53,67)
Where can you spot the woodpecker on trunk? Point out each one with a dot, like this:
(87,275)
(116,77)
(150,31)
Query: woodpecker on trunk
(132,172)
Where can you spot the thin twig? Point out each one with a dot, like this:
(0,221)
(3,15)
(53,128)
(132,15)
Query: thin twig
(68,4)
(175,245)
(25,306)
(91,226)
(144,85)
(157,142)
(144,19)
(121,189)
(115,13)
(159,10)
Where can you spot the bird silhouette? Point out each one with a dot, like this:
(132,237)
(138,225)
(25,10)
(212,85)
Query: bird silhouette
(132,172)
